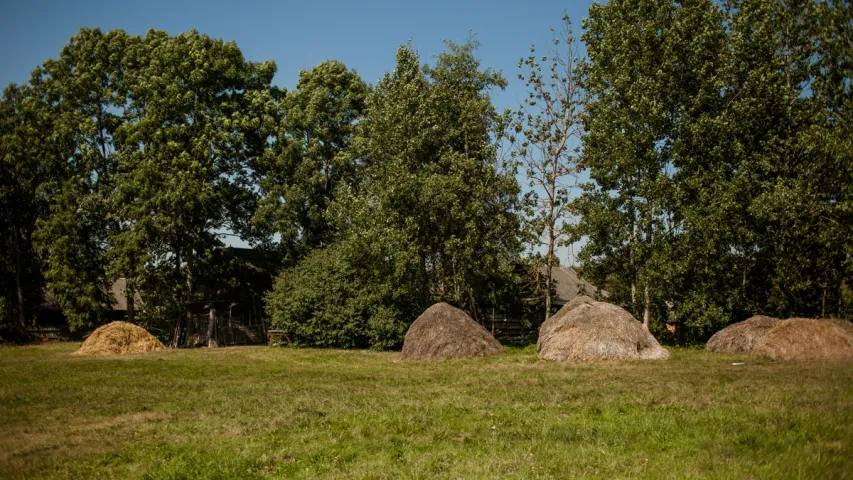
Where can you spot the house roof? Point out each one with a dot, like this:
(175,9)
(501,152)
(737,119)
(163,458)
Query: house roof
(570,285)
(119,291)
(117,288)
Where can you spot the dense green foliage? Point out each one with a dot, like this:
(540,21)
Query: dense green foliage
(309,159)
(433,215)
(325,301)
(718,146)
(717,138)
(21,173)
(141,149)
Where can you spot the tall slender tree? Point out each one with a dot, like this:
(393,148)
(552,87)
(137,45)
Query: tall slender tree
(646,78)
(83,89)
(23,126)
(547,133)
(307,160)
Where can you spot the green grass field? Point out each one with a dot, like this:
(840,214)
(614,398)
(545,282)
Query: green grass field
(260,412)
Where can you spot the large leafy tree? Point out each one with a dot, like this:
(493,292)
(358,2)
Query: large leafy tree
(434,197)
(718,145)
(764,173)
(197,118)
(628,148)
(84,92)
(786,83)
(307,160)
(23,128)
(431,217)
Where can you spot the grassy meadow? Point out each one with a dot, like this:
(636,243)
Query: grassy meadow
(261,412)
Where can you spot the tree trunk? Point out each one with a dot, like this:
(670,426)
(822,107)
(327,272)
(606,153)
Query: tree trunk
(548,270)
(19,288)
(128,292)
(632,273)
(190,325)
(176,337)
(211,327)
(647,294)
(549,262)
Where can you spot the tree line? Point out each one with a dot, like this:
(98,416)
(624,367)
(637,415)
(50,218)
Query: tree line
(716,139)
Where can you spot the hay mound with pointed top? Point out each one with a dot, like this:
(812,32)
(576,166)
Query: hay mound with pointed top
(443,331)
(808,339)
(596,331)
(576,302)
(740,337)
(118,338)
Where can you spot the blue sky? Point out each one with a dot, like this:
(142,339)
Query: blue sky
(296,35)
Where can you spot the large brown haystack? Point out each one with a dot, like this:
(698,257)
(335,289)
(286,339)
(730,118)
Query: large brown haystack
(557,321)
(576,302)
(118,338)
(597,331)
(443,331)
(808,339)
(741,337)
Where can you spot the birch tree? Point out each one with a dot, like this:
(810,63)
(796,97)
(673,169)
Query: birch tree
(547,132)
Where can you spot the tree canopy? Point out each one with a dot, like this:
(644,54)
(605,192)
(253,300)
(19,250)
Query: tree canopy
(716,137)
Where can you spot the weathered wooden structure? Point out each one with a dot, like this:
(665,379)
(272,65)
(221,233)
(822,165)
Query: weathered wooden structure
(524,330)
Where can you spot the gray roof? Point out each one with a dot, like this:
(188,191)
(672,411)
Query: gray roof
(570,285)
(117,288)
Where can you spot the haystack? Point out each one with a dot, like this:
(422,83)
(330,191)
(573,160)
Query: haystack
(597,331)
(118,338)
(808,339)
(576,302)
(741,337)
(443,331)
(556,322)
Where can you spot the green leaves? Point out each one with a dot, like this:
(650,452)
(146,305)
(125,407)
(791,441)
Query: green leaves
(309,157)
(151,142)
(712,144)
(428,214)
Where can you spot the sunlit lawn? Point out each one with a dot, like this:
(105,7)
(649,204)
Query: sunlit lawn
(251,412)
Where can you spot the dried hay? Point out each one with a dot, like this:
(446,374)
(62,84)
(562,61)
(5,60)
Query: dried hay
(576,302)
(597,331)
(556,322)
(808,339)
(443,331)
(741,336)
(119,338)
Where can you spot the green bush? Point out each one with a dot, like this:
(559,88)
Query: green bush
(324,302)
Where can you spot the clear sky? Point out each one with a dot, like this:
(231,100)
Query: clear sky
(296,35)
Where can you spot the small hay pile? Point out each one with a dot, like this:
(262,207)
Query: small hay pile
(808,339)
(741,337)
(597,331)
(118,338)
(443,331)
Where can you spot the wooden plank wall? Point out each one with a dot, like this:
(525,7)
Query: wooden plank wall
(512,331)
